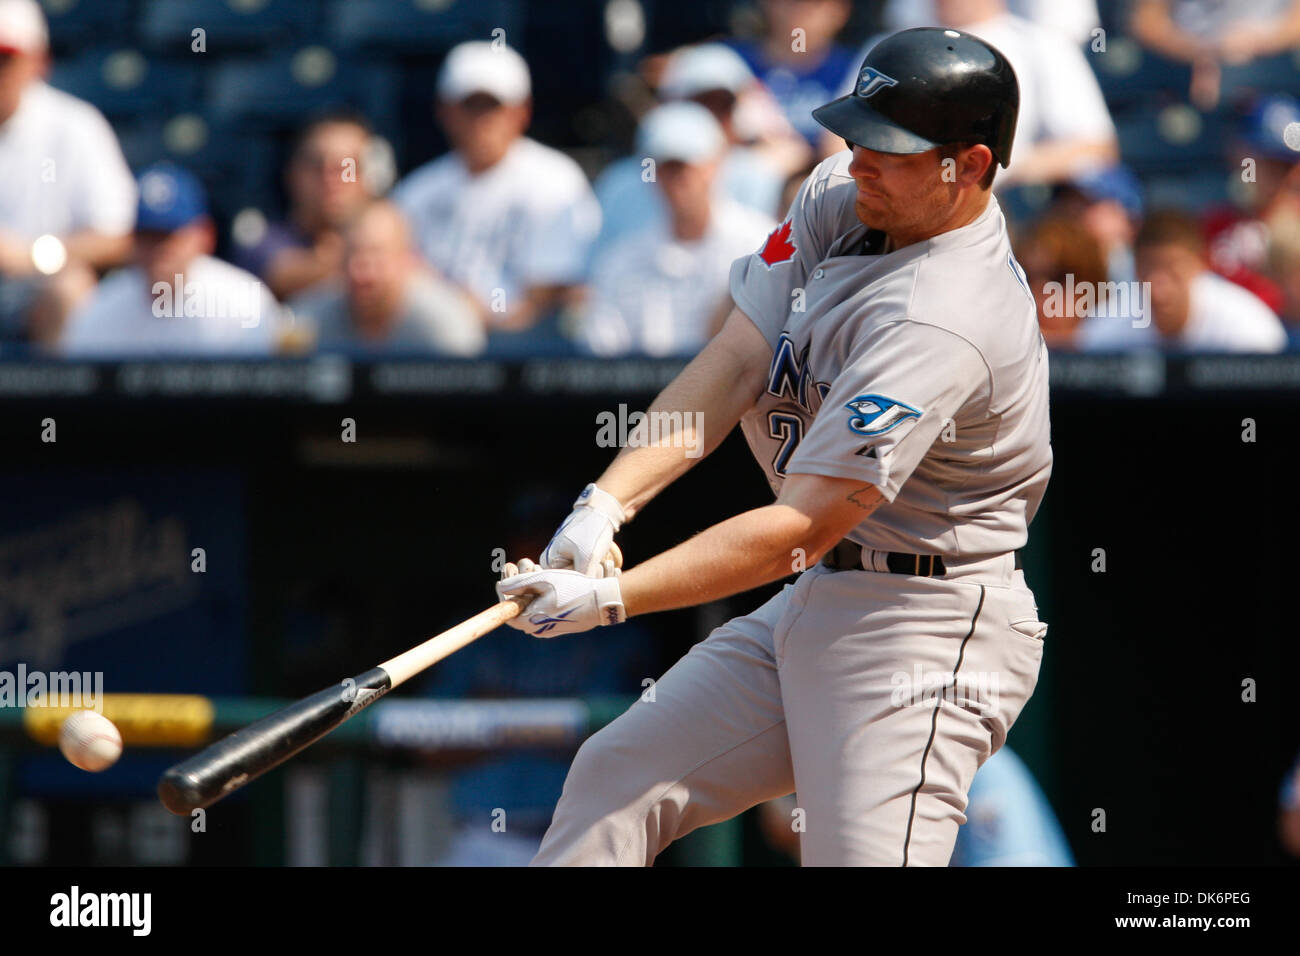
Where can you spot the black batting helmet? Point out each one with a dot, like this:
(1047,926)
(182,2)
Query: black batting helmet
(922,88)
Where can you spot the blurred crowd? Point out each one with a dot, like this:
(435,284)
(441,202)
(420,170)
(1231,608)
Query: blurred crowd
(507,245)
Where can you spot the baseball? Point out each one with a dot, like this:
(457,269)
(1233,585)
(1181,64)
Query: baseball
(90,741)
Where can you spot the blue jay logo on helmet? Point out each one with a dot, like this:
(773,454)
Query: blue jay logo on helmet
(876,414)
(871,81)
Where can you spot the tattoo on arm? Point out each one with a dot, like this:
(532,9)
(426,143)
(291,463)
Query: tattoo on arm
(865,498)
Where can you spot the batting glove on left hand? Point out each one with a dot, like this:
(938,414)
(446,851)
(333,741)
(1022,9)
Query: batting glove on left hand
(585,541)
(566,602)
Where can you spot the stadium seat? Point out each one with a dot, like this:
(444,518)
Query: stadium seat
(76,24)
(1131,77)
(544,340)
(237,166)
(168,25)
(1025,202)
(1174,138)
(1275,74)
(1193,192)
(567,33)
(418,26)
(283,90)
(125,83)
(1113,15)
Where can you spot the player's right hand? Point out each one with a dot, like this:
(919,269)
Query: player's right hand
(585,541)
(563,601)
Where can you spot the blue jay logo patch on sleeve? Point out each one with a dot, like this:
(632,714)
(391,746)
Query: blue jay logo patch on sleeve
(871,81)
(876,414)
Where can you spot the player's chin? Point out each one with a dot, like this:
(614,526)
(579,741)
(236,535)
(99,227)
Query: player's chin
(871,212)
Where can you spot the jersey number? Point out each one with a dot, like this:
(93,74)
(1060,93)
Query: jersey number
(788,430)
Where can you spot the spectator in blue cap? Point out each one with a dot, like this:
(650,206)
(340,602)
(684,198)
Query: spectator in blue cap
(1107,203)
(176,298)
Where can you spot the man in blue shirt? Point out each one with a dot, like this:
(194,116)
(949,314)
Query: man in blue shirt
(1008,819)
(798,60)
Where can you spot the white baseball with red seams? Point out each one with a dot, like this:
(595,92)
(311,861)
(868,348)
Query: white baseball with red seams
(90,741)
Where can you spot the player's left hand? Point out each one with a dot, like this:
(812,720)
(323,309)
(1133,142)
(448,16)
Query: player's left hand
(566,602)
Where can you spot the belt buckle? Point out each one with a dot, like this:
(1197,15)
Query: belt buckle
(845,556)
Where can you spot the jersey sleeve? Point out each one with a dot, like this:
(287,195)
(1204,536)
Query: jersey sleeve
(903,384)
(763,283)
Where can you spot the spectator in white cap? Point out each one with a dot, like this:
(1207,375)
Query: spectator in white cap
(762,148)
(656,290)
(717,77)
(506,218)
(67,197)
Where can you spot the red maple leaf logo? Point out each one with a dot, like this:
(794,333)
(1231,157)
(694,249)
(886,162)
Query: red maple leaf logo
(778,247)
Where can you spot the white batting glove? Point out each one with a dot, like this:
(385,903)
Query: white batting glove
(567,602)
(585,541)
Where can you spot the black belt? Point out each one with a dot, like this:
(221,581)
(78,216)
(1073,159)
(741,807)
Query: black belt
(847,556)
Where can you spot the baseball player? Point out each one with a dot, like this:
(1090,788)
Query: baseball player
(885,364)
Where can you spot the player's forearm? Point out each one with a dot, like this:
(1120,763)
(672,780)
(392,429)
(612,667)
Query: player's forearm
(1282,34)
(98,250)
(736,555)
(1061,160)
(686,422)
(812,514)
(688,431)
(1155,29)
(295,270)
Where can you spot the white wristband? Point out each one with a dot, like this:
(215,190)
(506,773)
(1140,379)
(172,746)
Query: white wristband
(602,501)
(609,601)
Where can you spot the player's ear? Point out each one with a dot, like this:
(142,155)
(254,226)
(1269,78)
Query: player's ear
(976,162)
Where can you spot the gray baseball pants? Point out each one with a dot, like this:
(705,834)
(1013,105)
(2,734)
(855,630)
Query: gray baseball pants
(873,696)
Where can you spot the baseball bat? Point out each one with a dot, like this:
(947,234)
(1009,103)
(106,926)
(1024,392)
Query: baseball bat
(241,757)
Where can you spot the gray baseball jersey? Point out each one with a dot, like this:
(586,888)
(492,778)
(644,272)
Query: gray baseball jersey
(876,696)
(920,371)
